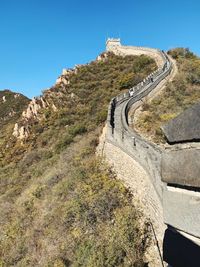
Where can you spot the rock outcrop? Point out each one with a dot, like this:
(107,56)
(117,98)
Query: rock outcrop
(20,132)
(103,57)
(32,113)
(64,78)
(51,99)
(32,110)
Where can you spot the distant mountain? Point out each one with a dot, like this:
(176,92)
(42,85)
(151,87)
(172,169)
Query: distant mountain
(11,106)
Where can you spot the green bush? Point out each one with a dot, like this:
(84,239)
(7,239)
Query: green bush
(126,81)
(63,143)
(181,53)
(101,116)
(64,121)
(77,129)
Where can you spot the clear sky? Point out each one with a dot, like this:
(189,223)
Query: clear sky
(38,38)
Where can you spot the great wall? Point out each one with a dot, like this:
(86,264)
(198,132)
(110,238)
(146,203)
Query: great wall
(164,178)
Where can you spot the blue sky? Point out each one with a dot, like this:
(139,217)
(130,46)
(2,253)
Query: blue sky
(38,38)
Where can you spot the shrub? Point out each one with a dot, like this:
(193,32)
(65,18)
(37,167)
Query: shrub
(77,129)
(142,62)
(181,52)
(29,159)
(126,81)
(63,143)
(101,116)
(167,116)
(64,121)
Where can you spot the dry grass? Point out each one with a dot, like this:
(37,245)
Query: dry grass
(59,205)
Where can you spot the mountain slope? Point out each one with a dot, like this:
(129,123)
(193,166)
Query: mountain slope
(59,205)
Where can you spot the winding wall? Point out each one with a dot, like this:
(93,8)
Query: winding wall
(180,205)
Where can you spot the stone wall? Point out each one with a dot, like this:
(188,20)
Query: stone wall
(147,154)
(180,206)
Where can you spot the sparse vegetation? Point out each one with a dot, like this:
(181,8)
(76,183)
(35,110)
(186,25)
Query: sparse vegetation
(11,107)
(178,95)
(82,103)
(59,205)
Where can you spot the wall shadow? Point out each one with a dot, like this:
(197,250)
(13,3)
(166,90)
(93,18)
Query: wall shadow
(178,251)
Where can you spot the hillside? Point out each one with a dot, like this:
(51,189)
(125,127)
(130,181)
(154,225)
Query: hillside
(178,95)
(59,205)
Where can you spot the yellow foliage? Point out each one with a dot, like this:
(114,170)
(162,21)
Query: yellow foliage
(167,116)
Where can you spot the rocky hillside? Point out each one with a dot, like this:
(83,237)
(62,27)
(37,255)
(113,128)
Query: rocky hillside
(59,205)
(178,96)
(11,107)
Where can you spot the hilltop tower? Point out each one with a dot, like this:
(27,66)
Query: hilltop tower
(112,43)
